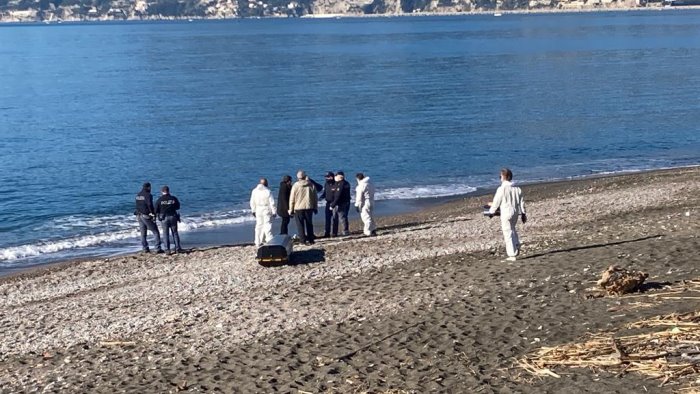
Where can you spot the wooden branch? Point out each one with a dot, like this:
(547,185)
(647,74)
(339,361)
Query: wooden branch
(118,343)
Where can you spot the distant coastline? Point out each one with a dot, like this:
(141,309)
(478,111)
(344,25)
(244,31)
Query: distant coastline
(59,15)
(534,11)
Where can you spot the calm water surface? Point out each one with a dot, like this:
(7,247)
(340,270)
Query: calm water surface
(426,106)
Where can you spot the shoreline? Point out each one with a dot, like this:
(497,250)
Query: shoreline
(411,207)
(232,235)
(427,305)
(537,11)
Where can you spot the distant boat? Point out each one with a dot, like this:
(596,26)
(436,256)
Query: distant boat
(497,14)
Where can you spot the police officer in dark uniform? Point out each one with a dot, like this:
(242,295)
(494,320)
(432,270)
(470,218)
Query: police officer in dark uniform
(166,211)
(146,216)
(328,196)
(340,204)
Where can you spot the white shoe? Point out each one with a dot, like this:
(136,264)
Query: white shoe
(512,258)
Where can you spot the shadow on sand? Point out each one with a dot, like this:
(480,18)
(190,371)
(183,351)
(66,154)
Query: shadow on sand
(594,246)
(648,286)
(309,256)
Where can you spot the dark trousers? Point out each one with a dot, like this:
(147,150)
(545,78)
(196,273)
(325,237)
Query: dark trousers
(170,224)
(340,218)
(329,222)
(305,224)
(146,222)
(284,227)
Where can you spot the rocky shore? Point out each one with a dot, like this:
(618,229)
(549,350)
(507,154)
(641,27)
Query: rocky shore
(428,305)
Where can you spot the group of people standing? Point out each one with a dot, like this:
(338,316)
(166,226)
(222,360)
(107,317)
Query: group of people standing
(300,200)
(165,210)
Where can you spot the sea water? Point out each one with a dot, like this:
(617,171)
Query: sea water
(426,106)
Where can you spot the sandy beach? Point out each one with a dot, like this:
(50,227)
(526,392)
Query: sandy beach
(429,305)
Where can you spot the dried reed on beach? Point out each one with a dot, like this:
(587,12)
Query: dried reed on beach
(668,350)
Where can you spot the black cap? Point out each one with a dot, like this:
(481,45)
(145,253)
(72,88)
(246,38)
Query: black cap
(340,173)
(330,174)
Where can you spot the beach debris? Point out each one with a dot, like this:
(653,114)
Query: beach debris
(668,350)
(682,290)
(618,281)
(117,343)
(181,385)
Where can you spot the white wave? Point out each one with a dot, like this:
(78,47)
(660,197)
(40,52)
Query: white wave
(597,172)
(432,191)
(95,224)
(109,229)
(203,222)
(46,247)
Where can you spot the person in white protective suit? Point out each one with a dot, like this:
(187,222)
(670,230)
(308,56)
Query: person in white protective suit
(263,206)
(364,203)
(509,199)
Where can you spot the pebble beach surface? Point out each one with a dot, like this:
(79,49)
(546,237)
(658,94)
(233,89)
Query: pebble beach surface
(428,305)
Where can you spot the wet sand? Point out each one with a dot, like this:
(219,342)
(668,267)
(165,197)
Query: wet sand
(428,305)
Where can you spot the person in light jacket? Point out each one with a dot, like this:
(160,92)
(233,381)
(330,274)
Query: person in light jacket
(263,206)
(303,204)
(364,202)
(283,203)
(509,199)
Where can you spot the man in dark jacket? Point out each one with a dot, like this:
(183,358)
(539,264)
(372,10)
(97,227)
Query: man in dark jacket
(283,203)
(328,196)
(340,204)
(146,216)
(166,211)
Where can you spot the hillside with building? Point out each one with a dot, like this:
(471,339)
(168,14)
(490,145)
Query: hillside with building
(96,10)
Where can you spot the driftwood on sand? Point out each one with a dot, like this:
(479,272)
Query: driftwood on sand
(617,281)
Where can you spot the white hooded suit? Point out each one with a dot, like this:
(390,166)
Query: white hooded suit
(263,206)
(510,199)
(364,200)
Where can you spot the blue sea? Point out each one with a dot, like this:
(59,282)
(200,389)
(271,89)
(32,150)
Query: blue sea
(426,106)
